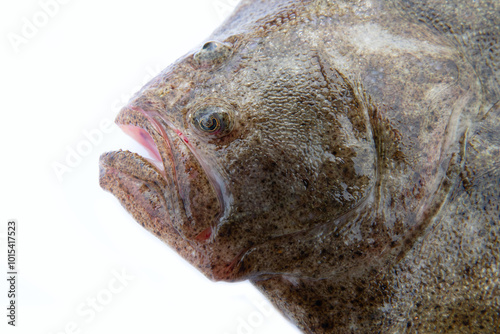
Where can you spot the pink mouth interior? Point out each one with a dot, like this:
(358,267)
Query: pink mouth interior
(142,137)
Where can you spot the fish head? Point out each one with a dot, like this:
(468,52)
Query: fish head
(250,141)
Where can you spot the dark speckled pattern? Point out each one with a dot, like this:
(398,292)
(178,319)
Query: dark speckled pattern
(359,187)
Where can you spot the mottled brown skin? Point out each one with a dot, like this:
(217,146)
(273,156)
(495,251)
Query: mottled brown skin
(359,186)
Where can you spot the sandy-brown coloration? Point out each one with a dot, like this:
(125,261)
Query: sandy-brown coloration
(359,185)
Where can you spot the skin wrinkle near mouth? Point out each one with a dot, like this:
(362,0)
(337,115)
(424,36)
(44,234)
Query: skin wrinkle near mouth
(168,142)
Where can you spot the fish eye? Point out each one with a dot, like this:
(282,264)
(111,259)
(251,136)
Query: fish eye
(216,121)
(212,53)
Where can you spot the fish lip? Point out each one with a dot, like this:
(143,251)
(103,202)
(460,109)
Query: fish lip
(123,164)
(148,127)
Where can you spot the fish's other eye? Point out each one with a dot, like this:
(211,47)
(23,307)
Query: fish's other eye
(215,121)
(212,53)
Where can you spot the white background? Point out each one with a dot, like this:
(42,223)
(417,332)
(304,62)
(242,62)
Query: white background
(66,78)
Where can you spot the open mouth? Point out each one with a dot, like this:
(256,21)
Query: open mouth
(142,137)
(171,185)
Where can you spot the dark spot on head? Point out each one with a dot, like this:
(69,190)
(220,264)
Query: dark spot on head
(326,325)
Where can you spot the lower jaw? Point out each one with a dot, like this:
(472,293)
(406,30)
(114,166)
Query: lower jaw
(142,196)
(135,181)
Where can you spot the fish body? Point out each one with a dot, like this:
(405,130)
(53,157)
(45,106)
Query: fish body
(342,156)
